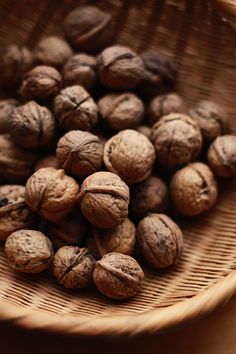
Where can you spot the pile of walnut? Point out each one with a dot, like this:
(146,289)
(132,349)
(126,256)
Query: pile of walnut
(80,155)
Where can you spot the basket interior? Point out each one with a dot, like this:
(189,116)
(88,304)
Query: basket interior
(204,48)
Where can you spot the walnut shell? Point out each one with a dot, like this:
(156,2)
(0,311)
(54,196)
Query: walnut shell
(79,153)
(145,130)
(46,161)
(193,189)
(104,199)
(51,193)
(130,155)
(118,276)
(73,267)
(6,108)
(29,251)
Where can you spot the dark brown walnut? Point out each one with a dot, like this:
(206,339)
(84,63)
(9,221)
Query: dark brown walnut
(121,111)
(32,125)
(148,196)
(15,61)
(177,140)
(76,109)
(222,156)
(41,83)
(88,28)
(46,161)
(193,189)
(53,51)
(6,108)
(14,213)
(120,68)
(16,164)
(79,153)
(164,105)
(160,240)
(73,267)
(120,239)
(104,199)
(51,193)
(69,231)
(145,130)
(130,155)
(118,276)
(80,69)
(211,119)
(29,251)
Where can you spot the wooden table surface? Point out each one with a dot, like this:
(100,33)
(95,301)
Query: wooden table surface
(212,335)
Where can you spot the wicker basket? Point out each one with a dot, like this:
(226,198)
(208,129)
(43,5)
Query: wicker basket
(203,45)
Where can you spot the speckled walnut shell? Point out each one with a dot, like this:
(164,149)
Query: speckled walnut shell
(120,239)
(53,51)
(6,108)
(121,111)
(145,130)
(41,83)
(32,125)
(73,267)
(120,68)
(160,240)
(130,155)
(164,105)
(211,119)
(150,195)
(80,69)
(79,153)
(51,193)
(177,140)
(222,156)
(76,109)
(46,161)
(104,199)
(118,276)
(193,189)
(29,251)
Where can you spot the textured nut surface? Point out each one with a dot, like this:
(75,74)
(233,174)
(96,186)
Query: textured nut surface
(76,109)
(29,251)
(177,139)
(150,195)
(32,125)
(51,193)
(73,267)
(118,276)
(121,111)
(120,68)
(222,156)
(46,161)
(6,108)
(145,130)
(160,240)
(79,153)
(104,199)
(88,28)
(120,239)
(193,189)
(130,155)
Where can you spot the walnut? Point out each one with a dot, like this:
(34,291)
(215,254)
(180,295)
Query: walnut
(76,109)
(53,51)
(160,240)
(73,267)
(193,189)
(32,125)
(46,161)
(177,140)
(104,199)
(6,108)
(41,83)
(118,276)
(51,193)
(79,153)
(120,68)
(80,69)
(88,28)
(145,130)
(120,239)
(29,251)
(121,111)
(222,156)
(130,155)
